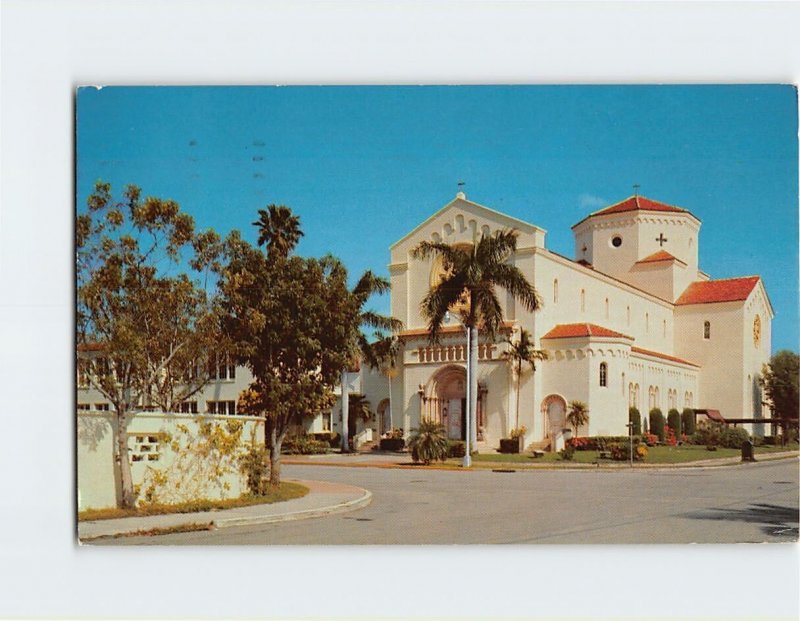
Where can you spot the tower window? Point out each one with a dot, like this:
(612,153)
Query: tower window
(555,291)
(603,374)
(616,241)
(583,300)
(707,330)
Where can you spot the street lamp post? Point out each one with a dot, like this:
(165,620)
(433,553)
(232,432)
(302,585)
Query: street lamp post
(630,440)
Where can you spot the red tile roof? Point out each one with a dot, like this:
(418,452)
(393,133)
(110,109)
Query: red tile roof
(661,255)
(578,330)
(637,203)
(656,354)
(710,291)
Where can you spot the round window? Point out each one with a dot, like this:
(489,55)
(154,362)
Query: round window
(616,241)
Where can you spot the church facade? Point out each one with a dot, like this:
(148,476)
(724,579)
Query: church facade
(630,321)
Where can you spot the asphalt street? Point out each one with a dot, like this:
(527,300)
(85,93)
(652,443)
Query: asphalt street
(743,503)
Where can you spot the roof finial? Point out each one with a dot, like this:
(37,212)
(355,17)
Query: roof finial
(636,187)
(460,193)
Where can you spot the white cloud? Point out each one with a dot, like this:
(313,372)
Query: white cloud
(590,201)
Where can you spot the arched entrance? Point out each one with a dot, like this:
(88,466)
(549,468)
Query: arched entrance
(554,411)
(445,400)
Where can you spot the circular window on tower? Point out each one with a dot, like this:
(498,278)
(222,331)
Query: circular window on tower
(616,241)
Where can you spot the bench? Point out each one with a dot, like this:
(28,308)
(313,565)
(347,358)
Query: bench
(537,453)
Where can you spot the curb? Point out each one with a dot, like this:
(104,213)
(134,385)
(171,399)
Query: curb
(350,505)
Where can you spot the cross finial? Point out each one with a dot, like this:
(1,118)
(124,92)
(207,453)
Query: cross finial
(661,239)
(460,193)
(636,187)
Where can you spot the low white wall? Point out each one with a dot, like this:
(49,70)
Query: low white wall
(152,438)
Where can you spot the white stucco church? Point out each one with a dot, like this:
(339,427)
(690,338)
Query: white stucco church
(631,320)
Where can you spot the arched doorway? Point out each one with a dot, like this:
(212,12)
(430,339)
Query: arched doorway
(445,400)
(554,411)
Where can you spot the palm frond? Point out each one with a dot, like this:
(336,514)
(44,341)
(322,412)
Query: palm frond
(427,249)
(369,284)
(381,322)
(511,278)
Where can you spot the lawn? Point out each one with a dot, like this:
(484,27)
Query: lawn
(286,491)
(655,455)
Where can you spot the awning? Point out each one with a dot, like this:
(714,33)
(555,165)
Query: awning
(712,414)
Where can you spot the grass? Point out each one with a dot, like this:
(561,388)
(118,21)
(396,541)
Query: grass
(286,491)
(655,455)
(152,532)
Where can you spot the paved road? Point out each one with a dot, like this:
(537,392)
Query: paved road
(743,503)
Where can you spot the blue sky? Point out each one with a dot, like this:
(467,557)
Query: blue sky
(362,166)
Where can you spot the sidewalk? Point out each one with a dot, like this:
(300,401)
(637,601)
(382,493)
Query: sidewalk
(323,498)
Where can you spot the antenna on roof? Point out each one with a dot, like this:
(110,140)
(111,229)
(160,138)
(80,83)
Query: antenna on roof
(636,187)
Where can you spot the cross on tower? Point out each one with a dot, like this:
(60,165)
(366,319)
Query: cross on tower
(636,187)
(661,239)
(461,185)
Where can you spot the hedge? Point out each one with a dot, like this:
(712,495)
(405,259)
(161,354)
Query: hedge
(687,421)
(674,422)
(657,424)
(636,418)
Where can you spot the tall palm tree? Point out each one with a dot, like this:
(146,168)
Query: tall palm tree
(519,353)
(471,275)
(278,229)
(360,347)
(578,414)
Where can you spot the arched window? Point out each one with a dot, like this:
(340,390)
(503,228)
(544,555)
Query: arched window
(555,291)
(707,330)
(647,323)
(606,308)
(651,398)
(631,395)
(665,328)
(623,383)
(628,314)
(603,374)
(686,401)
(658,398)
(583,300)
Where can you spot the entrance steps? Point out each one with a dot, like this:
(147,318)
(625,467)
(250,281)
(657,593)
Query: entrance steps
(541,445)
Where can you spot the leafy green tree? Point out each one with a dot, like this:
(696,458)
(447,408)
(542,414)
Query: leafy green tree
(519,353)
(674,422)
(687,421)
(142,333)
(360,406)
(428,442)
(359,345)
(287,318)
(657,424)
(472,275)
(780,380)
(578,415)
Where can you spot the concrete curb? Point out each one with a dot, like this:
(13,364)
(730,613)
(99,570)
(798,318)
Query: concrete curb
(344,507)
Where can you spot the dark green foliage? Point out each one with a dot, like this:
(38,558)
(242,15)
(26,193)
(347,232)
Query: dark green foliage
(674,422)
(567,453)
(600,443)
(330,437)
(781,383)
(456,448)
(687,421)
(304,445)
(718,434)
(255,466)
(429,442)
(636,418)
(657,423)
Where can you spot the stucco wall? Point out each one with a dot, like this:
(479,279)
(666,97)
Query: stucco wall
(97,486)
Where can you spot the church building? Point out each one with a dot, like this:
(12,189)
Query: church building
(631,320)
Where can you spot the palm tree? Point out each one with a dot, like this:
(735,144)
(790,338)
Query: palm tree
(279,229)
(578,414)
(520,352)
(471,275)
(360,405)
(429,442)
(387,350)
(360,346)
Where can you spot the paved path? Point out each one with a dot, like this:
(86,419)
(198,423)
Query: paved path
(323,498)
(740,503)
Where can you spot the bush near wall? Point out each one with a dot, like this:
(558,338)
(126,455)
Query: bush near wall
(687,421)
(331,437)
(304,445)
(635,417)
(456,448)
(674,422)
(657,423)
(718,434)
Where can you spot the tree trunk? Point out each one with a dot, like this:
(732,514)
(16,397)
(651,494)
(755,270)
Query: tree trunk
(473,386)
(275,442)
(127,499)
(519,377)
(345,413)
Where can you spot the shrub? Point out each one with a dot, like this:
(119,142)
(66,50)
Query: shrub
(641,453)
(456,448)
(567,453)
(254,464)
(598,443)
(645,427)
(636,418)
(687,421)
(669,436)
(518,433)
(657,423)
(621,451)
(429,442)
(304,445)
(650,439)
(395,434)
(331,438)
(674,422)
(718,434)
